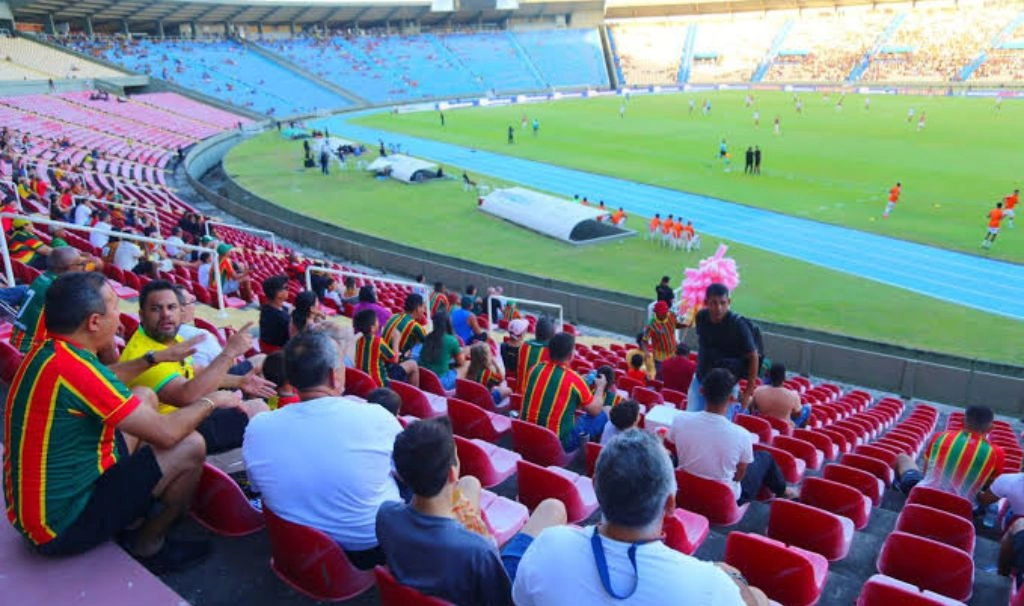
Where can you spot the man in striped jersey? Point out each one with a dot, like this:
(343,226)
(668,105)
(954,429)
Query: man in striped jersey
(438,299)
(28,327)
(532,352)
(554,392)
(406,330)
(85,456)
(960,461)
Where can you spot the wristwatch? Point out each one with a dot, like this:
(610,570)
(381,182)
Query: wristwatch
(150,358)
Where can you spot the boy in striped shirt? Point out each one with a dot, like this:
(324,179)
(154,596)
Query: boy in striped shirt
(533,352)
(960,461)
(406,330)
(554,392)
(661,334)
(375,358)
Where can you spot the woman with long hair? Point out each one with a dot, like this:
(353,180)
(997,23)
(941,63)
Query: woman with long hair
(482,369)
(306,313)
(441,350)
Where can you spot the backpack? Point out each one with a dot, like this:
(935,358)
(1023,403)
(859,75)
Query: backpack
(755,333)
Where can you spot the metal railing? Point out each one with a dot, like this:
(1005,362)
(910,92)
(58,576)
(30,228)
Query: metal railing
(253,230)
(150,211)
(355,274)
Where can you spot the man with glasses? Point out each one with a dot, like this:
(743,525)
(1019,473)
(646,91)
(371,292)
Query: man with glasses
(208,347)
(29,326)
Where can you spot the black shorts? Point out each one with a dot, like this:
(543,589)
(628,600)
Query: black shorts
(121,496)
(397,373)
(223,430)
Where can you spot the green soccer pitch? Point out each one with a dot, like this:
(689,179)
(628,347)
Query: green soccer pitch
(826,165)
(441,217)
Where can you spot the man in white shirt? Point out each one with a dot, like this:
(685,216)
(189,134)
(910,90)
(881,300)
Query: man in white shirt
(173,243)
(623,561)
(100,237)
(326,461)
(127,255)
(711,446)
(82,214)
(209,347)
(205,269)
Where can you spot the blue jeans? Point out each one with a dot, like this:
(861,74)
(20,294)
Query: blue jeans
(695,399)
(586,428)
(513,552)
(448,379)
(805,415)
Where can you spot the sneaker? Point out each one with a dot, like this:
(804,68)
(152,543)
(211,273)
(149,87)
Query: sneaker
(176,555)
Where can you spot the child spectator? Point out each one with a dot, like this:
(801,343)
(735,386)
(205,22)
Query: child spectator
(386,398)
(484,371)
(636,368)
(273,371)
(622,417)
(375,358)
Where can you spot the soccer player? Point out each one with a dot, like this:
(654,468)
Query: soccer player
(867,103)
(692,239)
(749,100)
(757,118)
(619,217)
(920,121)
(654,226)
(511,135)
(693,104)
(776,127)
(995,217)
(666,231)
(799,106)
(910,115)
(536,127)
(1009,203)
(999,103)
(894,197)
(622,110)
(677,235)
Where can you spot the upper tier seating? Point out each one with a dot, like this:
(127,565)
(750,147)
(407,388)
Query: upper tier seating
(566,57)
(25,59)
(827,46)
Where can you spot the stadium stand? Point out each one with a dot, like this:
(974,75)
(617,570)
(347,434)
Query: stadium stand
(24,59)
(825,47)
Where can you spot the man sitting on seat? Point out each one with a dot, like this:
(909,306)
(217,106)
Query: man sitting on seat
(532,352)
(25,246)
(207,346)
(554,392)
(178,384)
(29,326)
(324,462)
(623,560)
(711,446)
(426,547)
(778,401)
(85,456)
(677,371)
(406,330)
(958,460)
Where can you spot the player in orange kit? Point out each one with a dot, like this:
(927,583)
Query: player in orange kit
(995,217)
(1009,203)
(666,231)
(654,226)
(894,197)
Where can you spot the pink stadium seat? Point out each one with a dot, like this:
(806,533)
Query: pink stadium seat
(810,528)
(475,393)
(792,468)
(928,564)
(220,506)
(685,531)
(757,426)
(486,462)
(415,402)
(539,444)
(714,500)
(473,422)
(677,398)
(941,500)
(937,525)
(837,498)
(393,593)
(537,483)
(504,517)
(647,397)
(591,450)
(876,467)
(430,383)
(801,449)
(868,485)
(788,575)
(357,382)
(820,440)
(881,590)
(311,563)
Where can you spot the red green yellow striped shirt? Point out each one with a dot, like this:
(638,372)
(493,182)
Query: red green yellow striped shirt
(438,302)
(59,431)
(372,357)
(30,325)
(23,244)
(530,353)
(411,332)
(961,461)
(553,393)
(661,334)
(487,377)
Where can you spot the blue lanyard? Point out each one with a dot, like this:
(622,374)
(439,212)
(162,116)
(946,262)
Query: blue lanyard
(602,566)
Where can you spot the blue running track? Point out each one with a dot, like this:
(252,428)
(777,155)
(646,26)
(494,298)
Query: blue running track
(973,281)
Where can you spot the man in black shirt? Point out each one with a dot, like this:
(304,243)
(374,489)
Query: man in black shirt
(748,166)
(664,291)
(757,160)
(725,341)
(274,318)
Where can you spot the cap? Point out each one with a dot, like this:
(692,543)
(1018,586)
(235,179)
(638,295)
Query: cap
(661,307)
(518,327)
(223,248)
(21,222)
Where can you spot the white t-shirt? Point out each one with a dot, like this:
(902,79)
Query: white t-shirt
(127,255)
(325,463)
(711,446)
(559,568)
(207,349)
(98,238)
(82,215)
(204,274)
(171,245)
(1010,486)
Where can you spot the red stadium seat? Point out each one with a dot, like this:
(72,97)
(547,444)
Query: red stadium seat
(792,468)
(868,485)
(430,383)
(876,467)
(810,528)
(840,499)
(129,324)
(539,444)
(504,517)
(647,397)
(838,438)
(712,499)
(685,531)
(219,505)
(788,575)
(591,450)
(475,393)
(416,403)
(537,483)
(676,398)
(881,590)
(486,462)
(937,525)
(928,564)
(311,563)
(358,383)
(879,451)
(800,449)
(820,440)
(941,500)
(627,384)
(214,333)
(900,443)
(473,422)
(393,593)
(757,426)
(781,427)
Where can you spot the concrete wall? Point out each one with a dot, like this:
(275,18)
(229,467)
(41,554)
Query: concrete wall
(909,373)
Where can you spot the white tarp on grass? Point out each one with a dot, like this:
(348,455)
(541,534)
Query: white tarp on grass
(552,216)
(404,168)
